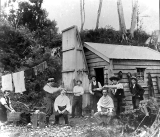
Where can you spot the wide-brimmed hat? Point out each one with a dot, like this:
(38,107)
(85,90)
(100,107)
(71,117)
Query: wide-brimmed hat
(50,79)
(79,81)
(133,77)
(93,76)
(114,78)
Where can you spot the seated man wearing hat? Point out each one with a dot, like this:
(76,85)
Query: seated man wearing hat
(51,93)
(105,106)
(62,107)
(137,92)
(95,89)
(77,98)
(118,92)
(5,104)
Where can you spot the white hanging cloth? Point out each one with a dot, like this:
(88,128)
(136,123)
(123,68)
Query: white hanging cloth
(19,83)
(7,82)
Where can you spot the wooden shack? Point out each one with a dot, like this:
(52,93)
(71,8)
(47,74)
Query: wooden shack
(104,60)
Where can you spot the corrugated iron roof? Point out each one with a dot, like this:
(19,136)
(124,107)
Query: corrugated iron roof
(123,51)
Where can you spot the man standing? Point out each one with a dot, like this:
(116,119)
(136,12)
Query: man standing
(95,90)
(137,92)
(77,98)
(62,107)
(51,94)
(118,92)
(5,104)
(105,106)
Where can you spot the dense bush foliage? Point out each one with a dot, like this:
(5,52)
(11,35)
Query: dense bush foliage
(111,36)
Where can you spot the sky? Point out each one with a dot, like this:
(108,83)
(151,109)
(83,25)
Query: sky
(67,13)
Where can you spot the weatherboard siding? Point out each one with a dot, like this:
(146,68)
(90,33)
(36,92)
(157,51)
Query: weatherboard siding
(94,61)
(152,67)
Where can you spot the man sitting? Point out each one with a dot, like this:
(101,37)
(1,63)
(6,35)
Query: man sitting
(62,107)
(105,106)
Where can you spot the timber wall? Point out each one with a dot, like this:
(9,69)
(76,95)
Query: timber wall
(95,61)
(152,67)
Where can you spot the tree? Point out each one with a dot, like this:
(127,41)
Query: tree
(82,12)
(99,13)
(111,36)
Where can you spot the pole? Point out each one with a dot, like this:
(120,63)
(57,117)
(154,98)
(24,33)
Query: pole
(159,16)
(0,9)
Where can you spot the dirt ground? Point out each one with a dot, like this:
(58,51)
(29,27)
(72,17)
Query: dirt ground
(78,127)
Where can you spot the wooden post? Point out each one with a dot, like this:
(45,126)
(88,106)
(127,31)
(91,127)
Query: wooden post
(110,70)
(158,84)
(150,84)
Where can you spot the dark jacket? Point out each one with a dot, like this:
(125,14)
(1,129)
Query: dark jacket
(137,91)
(119,93)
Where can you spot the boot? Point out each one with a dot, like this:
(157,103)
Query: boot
(47,121)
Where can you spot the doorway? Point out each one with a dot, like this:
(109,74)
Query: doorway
(100,75)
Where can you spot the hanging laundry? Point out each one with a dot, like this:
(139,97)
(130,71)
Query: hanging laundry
(29,73)
(35,70)
(40,68)
(7,82)
(45,65)
(19,83)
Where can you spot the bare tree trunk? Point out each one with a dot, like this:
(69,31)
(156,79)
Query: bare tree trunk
(121,17)
(134,18)
(99,13)
(82,12)
(158,41)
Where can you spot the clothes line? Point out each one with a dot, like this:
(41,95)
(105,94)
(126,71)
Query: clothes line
(18,78)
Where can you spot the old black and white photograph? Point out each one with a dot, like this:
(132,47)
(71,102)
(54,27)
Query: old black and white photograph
(79,68)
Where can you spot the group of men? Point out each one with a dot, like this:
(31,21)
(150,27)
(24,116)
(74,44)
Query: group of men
(102,99)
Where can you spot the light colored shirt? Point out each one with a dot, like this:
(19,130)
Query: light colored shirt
(62,100)
(105,102)
(50,89)
(94,83)
(134,85)
(117,86)
(78,90)
(4,102)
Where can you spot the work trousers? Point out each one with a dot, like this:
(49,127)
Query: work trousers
(77,103)
(98,116)
(49,108)
(135,102)
(119,106)
(96,98)
(64,115)
(3,115)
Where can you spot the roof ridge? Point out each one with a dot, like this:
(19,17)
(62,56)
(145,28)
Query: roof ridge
(153,50)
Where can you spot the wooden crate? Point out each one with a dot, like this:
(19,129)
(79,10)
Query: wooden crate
(14,116)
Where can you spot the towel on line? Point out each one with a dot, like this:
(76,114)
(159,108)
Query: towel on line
(7,82)
(19,83)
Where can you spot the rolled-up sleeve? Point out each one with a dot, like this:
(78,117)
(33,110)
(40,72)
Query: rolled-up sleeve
(68,105)
(99,85)
(56,105)
(90,88)
(82,91)
(3,101)
(119,86)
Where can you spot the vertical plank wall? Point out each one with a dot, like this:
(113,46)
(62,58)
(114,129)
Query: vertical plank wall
(74,64)
(126,66)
